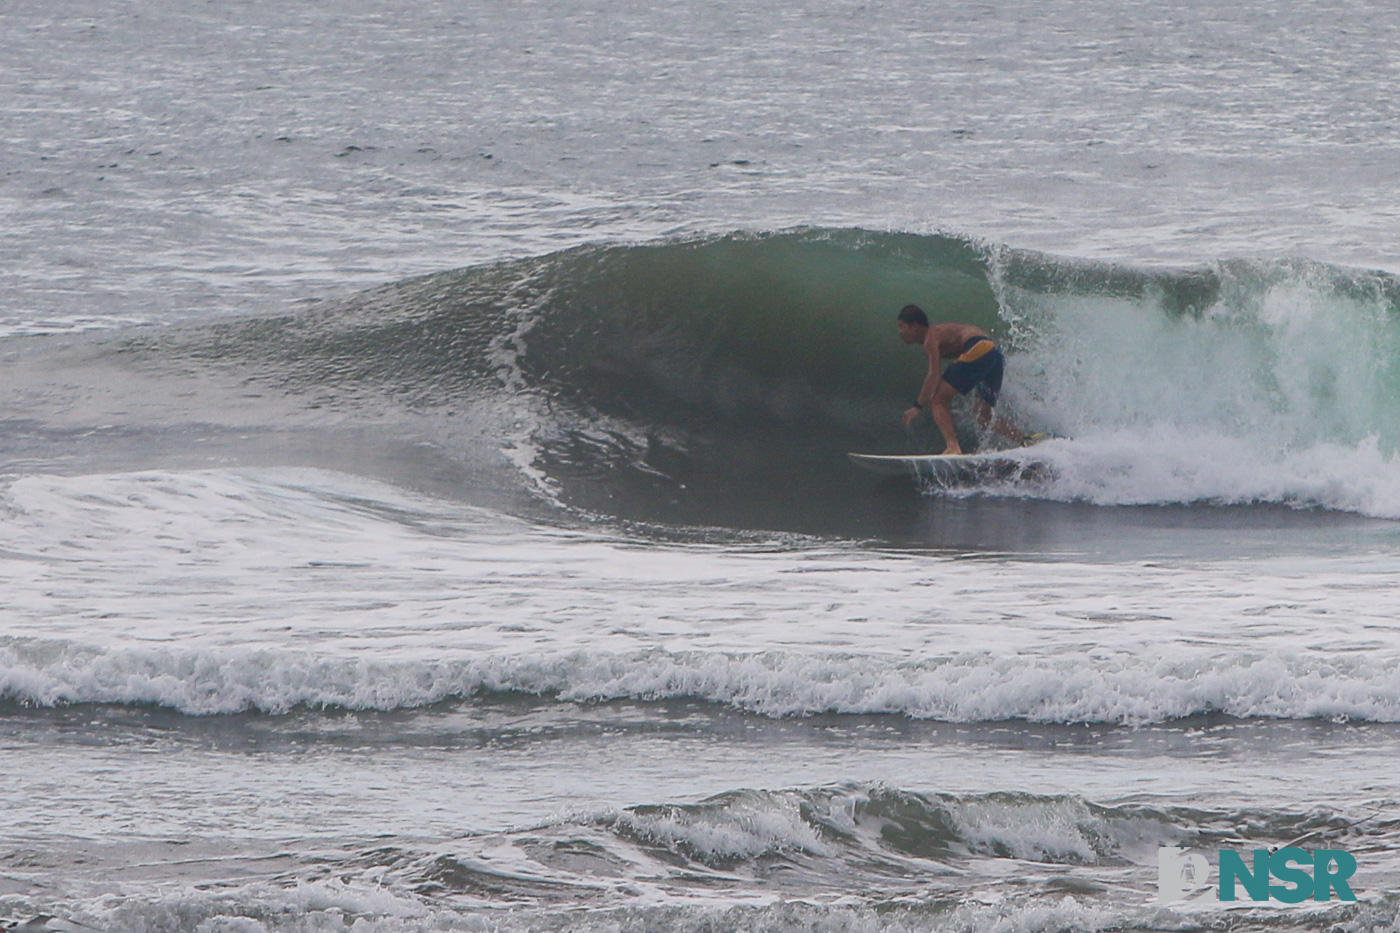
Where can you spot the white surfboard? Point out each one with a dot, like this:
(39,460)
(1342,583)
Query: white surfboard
(959,469)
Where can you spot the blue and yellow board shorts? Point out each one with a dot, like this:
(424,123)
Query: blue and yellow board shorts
(981,365)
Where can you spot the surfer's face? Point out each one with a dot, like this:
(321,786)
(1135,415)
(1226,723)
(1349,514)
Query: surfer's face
(908,332)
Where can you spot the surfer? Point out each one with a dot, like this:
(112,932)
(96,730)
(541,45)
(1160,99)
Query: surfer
(976,363)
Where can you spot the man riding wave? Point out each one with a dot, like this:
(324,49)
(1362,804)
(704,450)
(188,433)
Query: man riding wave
(977,363)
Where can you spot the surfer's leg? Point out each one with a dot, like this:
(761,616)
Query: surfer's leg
(988,391)
(986,415)
(943,417)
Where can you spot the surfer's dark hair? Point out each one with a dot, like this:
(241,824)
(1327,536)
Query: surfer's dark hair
(913,314)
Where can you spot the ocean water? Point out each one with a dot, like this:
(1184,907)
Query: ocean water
(423,473)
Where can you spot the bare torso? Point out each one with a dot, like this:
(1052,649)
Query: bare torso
(943,343)
(950,338)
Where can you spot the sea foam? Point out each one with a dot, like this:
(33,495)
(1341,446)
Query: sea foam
(975,687)
(222,591)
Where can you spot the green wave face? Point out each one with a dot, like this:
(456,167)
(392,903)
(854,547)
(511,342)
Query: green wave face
(793,328)
(721,380)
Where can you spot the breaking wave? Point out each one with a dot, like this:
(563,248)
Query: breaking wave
(721,380)
(965,687)
(770,861)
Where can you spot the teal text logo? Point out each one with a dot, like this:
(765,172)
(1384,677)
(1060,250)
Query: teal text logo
(1289,875)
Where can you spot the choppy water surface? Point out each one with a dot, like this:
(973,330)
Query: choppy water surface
(423,477)
(185,160)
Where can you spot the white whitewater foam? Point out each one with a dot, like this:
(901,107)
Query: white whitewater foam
(1173,466)
(1040,830)
(220,591)
(1283,390)
(975,687)
(746,827)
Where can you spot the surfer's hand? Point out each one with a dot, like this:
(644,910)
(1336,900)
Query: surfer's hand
(911,414)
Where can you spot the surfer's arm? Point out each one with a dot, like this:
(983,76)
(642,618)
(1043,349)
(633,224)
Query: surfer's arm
(930,386)
(935,374)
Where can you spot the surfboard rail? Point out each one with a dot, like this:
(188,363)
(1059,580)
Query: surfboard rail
(956,469)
